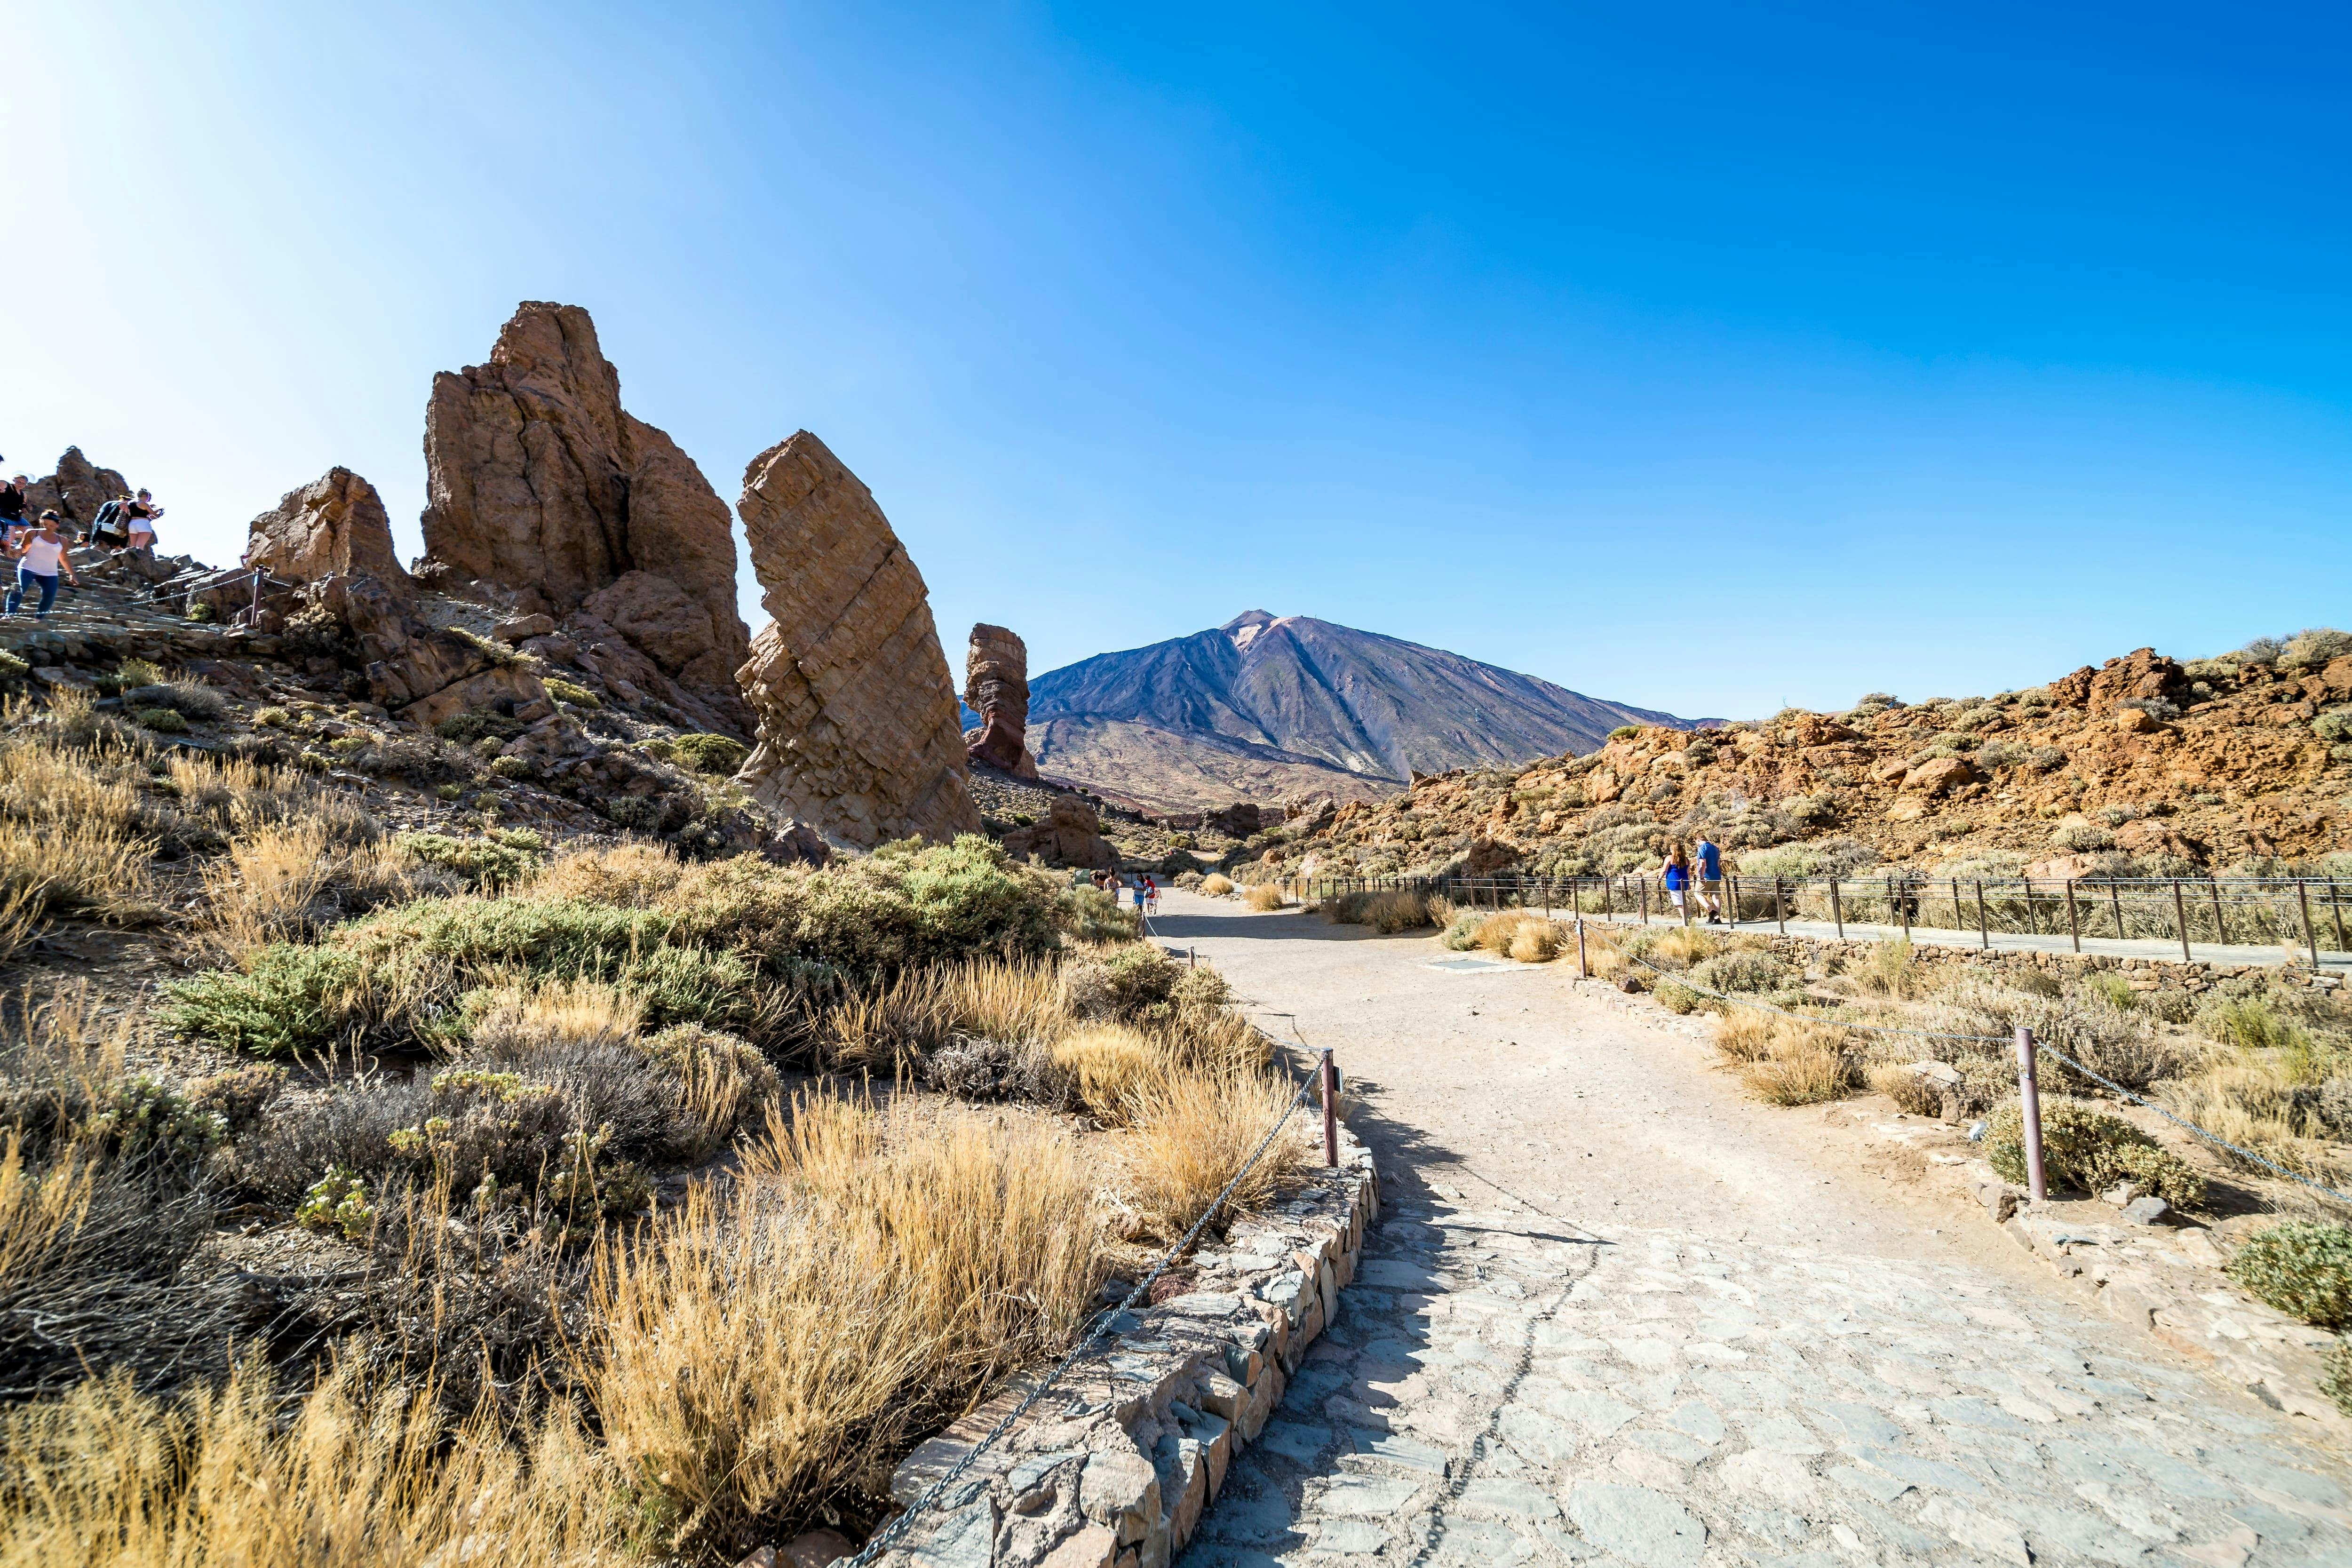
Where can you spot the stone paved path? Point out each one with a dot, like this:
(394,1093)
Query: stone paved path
(1504,1385)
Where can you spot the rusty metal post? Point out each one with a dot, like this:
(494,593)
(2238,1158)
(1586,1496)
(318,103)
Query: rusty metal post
(1583,967)
(1645,901)
(2029,1100)
(2310,936)
(2116,903)
(1903,906)
(1779,910)
(2336,904)
(2073,919)
(2220,927)
(2033,920)
(1984,931)
(2180,919)
(1837,909)
(1330,1074)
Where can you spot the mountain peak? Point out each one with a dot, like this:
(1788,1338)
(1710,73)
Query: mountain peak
(1245,627)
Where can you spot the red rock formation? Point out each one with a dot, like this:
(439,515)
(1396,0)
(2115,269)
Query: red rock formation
(334,524)
(996,687)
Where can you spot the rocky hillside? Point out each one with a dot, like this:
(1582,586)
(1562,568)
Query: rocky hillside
(1302,696)
(2143,766)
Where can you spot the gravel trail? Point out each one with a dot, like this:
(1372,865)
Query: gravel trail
(1616,1313)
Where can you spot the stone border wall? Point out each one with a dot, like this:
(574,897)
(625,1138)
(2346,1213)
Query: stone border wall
(2143,974)
(1114,1466)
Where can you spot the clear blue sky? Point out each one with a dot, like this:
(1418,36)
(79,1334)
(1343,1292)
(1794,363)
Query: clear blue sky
(1702,357)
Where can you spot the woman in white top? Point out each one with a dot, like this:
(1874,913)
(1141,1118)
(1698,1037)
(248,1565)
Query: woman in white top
(38,561)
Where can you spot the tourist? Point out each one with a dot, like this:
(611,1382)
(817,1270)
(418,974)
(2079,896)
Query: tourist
(108,530)
(1677,876)
(142,515)
(1151,896)
(38,561)
(1710,878)
(11,509)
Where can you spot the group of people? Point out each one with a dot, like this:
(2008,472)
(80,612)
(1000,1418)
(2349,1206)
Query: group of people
(1145,891)
(39,546)
(1702,863)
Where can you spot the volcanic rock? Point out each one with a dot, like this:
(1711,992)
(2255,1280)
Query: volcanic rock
(858,733)
(538,482)
(77,490)
(335,524)
(996,687)
(1939,776)
(1071,834)
(424,673)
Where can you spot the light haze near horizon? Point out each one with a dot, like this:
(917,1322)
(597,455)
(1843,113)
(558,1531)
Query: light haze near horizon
(1701,360)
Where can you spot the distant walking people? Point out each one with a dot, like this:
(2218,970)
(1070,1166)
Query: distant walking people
(1677,876)
(1151,896)
(38,561)
(1710,878)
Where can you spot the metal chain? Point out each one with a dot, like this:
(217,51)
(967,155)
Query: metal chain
(1101,1325)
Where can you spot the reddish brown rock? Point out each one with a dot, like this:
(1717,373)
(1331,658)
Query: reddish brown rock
(858,731)
(424,673)
(1071,834)
(539,483)
(2142,672)
(77,490)
(335,524)
(996,687)
(1940,776)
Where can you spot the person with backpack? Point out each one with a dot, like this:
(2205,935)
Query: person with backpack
(108,530)
(38,561)
(1710,878)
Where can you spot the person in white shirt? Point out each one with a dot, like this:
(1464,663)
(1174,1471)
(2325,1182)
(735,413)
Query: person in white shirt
(38,561)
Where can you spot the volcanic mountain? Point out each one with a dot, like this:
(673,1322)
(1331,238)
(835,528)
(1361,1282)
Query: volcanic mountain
(1264,708)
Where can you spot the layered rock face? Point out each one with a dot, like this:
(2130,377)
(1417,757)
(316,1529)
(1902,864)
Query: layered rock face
(77,490)
(1071,834)
(336,525)
(858,733)
(996,687)
(539,483)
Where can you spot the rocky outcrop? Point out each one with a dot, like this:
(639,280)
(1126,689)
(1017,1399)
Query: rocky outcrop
(77,490)
(996,687)
(538,483)
(1071,834)
(334,525)
(421,672)
(858,726)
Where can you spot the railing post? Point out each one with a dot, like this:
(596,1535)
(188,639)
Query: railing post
(2310,936)
(1984,932)
(1645,901)
(1905,907)
(2029,1101)
(1583,968)
(2335,906)
(1837,909)
(1331,1110)
(1959,920)
(2180,919)
(2032,922)
(2220,927)
(2074,920)
(2116,903)
(1779,910)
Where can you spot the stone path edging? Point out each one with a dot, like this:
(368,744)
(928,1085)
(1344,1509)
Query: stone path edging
(1116,1466)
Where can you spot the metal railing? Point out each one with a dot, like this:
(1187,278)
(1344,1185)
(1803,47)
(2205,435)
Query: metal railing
(2239,912)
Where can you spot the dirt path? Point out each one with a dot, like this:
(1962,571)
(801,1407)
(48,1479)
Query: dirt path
(1616,1311)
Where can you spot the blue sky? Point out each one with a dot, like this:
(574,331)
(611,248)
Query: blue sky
(1705,358)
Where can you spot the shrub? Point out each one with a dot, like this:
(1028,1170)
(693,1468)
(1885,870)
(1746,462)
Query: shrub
(2316,645)
(1741,971)
(163,720)
(478,725)
(572,692)
(1093,915)
(2082,837)
(709,753)
(1189,880)
(272,718)
(2091,1150)
(1785,1062)
(1265,897)
(2302,1268)
(1462,932)
(186,698)
(285,999)
(1106,1065)
(1193,1133)
(338,1201)
(1216,886)
(1624,731)
(511,767)
(482,862)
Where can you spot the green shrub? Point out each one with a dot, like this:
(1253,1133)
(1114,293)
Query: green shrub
(1462,934)
(13,668)
(2090,1148)
(143,1113)
(338,1201)
(163,720)
(286,999)
(643,813)
(1741,972)
(2303,1268)
(571,691)
(201,611)
(1624,731)
(272,718)
(709,753)
(481,862)
(476,725)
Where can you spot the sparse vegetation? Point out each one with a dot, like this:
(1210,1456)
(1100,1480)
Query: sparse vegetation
(2303,1268)
(2090,1150)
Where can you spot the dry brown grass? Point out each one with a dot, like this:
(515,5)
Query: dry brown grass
(359,1473)
(1516,933)
(2249,1100)
(1108,1065)
(1192,1131)
(1216,885)
(763,1355)
(882,1029)
(1787,1062)
(69,837)
(1906,1089)
(263,890)
(1265,897)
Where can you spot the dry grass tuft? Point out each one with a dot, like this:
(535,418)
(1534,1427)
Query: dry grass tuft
(1192,1131)
(2253,1103)
(1908,1091)
(270,884)
(1265,897)
(70,837)
(1216,885)
(1108,1066)
(1786,1062)
(764,1354)
(1516,933)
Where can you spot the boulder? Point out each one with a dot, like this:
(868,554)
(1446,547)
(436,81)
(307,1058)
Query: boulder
(1071,834)
(538,482)
(422,672)
(1940,776)
(1488,855)
(2136,722)
(77,490)
(2142,672)
(335,524)
(857,729)
(996,687)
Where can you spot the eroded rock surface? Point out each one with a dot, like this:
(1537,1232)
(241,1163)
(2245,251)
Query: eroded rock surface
(77,490)
(539,483)
(857,727)
(996,687)
(1071,834)
(334,524)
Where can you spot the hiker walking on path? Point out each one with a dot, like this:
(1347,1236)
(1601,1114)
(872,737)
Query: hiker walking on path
(1677,878)
(38,561)
(1710,878)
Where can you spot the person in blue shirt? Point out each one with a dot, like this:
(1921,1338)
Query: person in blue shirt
(1710,878)
(1678,876)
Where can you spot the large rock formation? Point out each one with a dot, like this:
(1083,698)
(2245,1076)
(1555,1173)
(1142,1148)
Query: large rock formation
(858,731)
(1071,834)
(538,482)
(77,490)
(335,524)
(996,687)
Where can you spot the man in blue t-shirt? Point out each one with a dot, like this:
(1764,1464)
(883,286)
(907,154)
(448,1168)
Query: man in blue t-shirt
(1710,877)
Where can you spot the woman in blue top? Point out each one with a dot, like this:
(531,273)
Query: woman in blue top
(1678,876)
